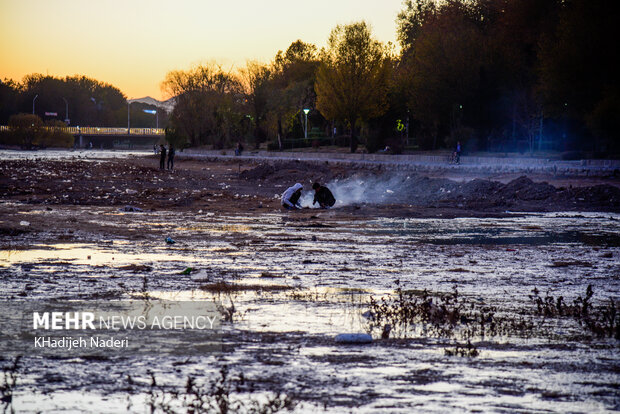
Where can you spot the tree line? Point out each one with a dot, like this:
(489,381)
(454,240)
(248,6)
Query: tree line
(521,74)
(498,75)
(79,100)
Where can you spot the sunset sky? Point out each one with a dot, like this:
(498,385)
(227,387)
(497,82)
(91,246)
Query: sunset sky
(132,44)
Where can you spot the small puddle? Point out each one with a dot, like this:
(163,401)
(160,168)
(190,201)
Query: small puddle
(80,254)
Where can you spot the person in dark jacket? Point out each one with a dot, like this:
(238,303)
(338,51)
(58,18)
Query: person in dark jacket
(162,157)
(171,157)
(323,196)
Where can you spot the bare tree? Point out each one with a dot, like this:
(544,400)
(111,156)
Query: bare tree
(209,104)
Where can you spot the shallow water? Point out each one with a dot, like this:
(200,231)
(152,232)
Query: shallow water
(283,339)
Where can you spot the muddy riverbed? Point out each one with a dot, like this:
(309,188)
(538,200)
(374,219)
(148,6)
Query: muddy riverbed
(460,292)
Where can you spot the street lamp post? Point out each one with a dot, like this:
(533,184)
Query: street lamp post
(128,117)
(34,99)
(306,110)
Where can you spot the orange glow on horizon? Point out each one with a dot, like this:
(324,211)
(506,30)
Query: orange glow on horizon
(134,44)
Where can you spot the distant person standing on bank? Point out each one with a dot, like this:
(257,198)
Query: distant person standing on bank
(457,152)
(162,157)
(170,157)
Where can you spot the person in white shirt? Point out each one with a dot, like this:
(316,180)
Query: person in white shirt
(290,198)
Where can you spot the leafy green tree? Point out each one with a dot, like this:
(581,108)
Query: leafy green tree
(352,80)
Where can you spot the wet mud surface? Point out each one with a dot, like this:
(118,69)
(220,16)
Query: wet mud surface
(240,187)
(291,281)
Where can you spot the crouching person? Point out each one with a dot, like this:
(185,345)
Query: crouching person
(290,198)
(323,196)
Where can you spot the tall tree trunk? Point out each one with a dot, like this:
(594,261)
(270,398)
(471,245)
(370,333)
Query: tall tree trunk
(353,140)
(280,132)
(256,135)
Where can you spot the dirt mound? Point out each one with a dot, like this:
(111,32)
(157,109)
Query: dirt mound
(428,190)
(259,172)
(287,171)
(529,195)
(478,189)
(497,193)
(524,188)
(478,193)
(520,193)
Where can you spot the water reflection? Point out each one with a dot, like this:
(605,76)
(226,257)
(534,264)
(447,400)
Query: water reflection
(303,285)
